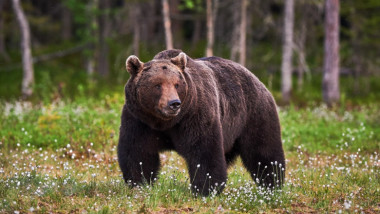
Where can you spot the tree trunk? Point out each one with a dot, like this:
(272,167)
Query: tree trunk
(330,84)
(243,32)
(357,54)
(27,61)
(235,37)
(176,25)
(287,53)
(136,29)
(210,29)
(300,48)
(66,23)
(3,51)
(196,33)
(104,31)
(167,25)
(90,54)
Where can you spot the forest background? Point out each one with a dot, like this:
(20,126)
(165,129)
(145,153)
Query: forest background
(81,46)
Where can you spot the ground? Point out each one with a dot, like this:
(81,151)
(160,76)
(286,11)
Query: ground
(56,154)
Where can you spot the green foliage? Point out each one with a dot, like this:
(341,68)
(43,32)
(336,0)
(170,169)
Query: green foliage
(84,14)
(359,33)
(322,130)
(96,120)
(68,152)
(54,125)
(195,5)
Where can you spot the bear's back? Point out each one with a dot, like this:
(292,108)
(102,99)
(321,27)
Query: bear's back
(239,92)
(232,78)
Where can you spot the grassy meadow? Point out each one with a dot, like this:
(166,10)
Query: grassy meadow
(61,157)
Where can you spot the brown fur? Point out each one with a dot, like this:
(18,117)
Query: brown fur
(225,111)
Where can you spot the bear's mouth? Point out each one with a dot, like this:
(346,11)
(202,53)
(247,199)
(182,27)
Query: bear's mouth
(167,114)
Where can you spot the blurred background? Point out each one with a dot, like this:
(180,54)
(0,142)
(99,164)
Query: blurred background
(304,51)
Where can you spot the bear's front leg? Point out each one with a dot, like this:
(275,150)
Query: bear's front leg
(137,166)
(206,164)
(137,151)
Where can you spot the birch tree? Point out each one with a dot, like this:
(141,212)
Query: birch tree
(330,83)
(136,29)
(300,41)
(167,24)
(243,32)
(27,60)
(104,33)
(66,17)
(235,37)
(287,51)
(210,29)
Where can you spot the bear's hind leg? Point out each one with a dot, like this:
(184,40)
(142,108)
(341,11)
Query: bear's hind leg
(232,154)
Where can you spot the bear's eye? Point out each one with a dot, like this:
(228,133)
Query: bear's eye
(176,85)
(158,86)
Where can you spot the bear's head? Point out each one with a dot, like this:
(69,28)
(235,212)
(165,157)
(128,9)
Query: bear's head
(158,86)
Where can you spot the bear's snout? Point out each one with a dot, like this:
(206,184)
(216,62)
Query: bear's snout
(174,104)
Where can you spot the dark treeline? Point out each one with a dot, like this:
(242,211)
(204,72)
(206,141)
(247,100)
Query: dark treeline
(94,37)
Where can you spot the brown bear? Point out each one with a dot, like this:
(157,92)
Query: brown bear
(208,110)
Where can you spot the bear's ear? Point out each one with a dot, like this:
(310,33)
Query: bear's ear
(180,61)
(134,65)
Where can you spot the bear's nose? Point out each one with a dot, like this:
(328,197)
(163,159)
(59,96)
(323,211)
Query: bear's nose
(174,104)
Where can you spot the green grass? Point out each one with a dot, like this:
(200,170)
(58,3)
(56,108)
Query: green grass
(57,124)
(319,129)
(61,157)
